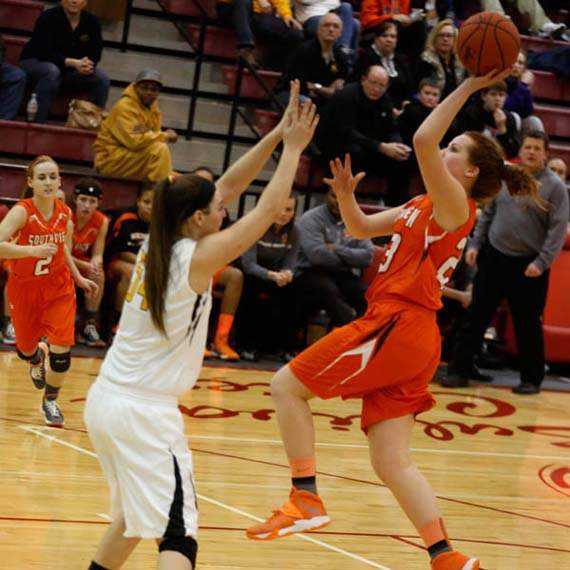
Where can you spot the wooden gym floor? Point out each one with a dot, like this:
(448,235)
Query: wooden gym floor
(499,463)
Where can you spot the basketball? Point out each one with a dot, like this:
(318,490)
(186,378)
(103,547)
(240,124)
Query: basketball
(487,41)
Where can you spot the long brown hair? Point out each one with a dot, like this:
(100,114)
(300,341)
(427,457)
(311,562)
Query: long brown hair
(488,157)
(175,200)
(28,191)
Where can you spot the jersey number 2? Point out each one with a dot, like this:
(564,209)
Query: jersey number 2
(42,266)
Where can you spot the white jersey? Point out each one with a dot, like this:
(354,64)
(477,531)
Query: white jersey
(305,9)
(144,359)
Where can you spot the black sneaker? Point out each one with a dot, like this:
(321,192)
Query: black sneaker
(38,371)
(479,376)
(52,413)
(526,388)
(453,380)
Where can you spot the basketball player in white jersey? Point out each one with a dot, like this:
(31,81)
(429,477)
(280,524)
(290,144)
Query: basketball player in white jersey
(132,410)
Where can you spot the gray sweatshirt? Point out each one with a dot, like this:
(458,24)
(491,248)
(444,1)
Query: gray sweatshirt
(275,251)
(326,244)
(517,227)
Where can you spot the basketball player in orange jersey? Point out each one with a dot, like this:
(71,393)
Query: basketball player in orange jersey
(40,286)
(388,357)
(90,227)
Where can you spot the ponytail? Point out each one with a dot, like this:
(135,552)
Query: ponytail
(520,183)
(175,200)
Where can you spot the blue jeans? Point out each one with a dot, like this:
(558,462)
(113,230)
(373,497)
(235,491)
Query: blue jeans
(12,89)
(350,27)
(47,79)
(237,15)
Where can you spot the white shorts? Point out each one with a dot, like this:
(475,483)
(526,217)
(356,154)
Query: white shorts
(139,440)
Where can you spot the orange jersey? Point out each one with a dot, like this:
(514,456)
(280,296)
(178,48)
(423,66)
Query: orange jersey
(421,257)
(39,231)
(84,238)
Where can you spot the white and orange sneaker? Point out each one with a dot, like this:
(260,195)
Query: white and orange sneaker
(454,560)
(303,513)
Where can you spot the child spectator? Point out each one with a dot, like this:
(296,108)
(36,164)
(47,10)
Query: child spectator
(265,317)
(89,234)
(127,234)
(487,115)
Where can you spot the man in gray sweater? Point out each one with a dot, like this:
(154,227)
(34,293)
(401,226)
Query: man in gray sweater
(514,244)
(328,257)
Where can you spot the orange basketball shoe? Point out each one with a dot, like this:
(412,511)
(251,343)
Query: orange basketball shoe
(303,513)
(224,350)
(454,560)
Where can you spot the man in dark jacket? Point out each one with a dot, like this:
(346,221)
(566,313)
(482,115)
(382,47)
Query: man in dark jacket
(65,49)
(12,86)
(319,64)
(359,120)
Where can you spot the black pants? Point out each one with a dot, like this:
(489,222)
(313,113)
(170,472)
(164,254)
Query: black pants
(340,294)
(265,319)
(502,276)
(279,40)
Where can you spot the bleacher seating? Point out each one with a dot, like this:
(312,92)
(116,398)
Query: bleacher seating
(534,43)
(556,119)
(118,193)
(556,323)
(14,47)
(219,42)
(548,86)
(31,139)
(189,8)
(19,15)
(249,86)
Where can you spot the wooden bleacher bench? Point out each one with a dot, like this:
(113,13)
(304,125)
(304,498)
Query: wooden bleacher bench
(548,86)
(249,85)
(188,7)
(556,119)
(19,15)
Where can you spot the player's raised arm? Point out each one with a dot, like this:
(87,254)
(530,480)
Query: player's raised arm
(241,174)
(446,192)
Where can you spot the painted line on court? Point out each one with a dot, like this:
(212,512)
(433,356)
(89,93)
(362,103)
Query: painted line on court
(364,446)
(40,432)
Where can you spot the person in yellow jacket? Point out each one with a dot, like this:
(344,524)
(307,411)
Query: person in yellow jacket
(131,143)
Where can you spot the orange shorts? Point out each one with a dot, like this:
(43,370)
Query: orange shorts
(387,358)
(42,307)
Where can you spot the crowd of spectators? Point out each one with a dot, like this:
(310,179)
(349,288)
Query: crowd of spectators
(374,81)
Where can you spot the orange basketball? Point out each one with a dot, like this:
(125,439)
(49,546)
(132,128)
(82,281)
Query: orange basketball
(487,41)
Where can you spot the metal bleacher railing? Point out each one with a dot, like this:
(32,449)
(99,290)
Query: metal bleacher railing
(203,19)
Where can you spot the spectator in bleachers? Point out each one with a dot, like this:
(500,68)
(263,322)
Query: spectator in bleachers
(64,51)
(280,33)
(125,239)
(539,23)
(319,64)
(421,105)
(237,14)
(90,227)
(411,21)
(514,244)
(131,142)
(558,166)
(359,120)
(269,266)
(326,264)
(519,98)
(229,281)
(488,115)
(439,57)
(382,52)
(12,86)
(310,12)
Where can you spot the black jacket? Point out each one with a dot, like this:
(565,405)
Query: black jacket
(352,121)
(475,118)
(401,87)
(307,65)
(54,40)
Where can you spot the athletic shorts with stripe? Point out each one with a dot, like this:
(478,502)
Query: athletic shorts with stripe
(387,358)
(43,308)
(140,443)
